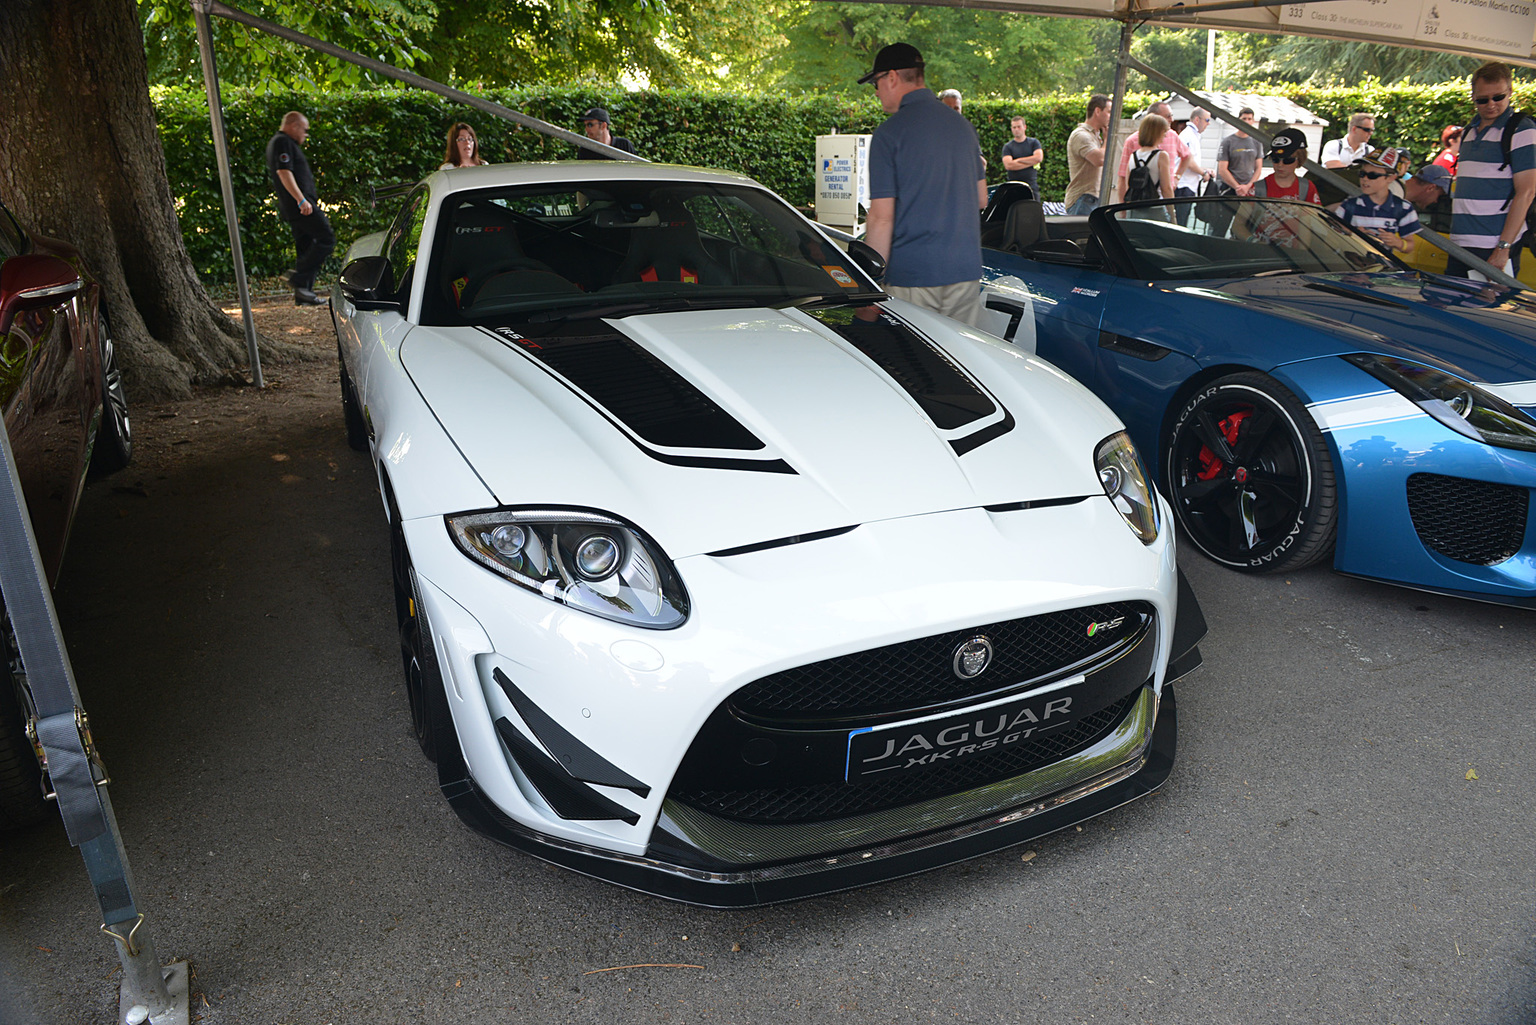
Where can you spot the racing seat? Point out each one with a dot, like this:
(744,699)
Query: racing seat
(485,245)
(1025,226)
(670,251)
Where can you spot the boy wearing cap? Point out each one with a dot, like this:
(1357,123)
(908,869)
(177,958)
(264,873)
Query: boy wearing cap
(927,188)
(1287,151)
(595,124)
(1381,215)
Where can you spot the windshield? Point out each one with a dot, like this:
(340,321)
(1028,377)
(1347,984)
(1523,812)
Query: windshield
(1234,237)
(609,248)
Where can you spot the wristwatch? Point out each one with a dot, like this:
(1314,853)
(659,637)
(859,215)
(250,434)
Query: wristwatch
(1504,245)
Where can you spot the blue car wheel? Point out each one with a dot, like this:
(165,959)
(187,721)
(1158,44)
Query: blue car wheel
(1250,477)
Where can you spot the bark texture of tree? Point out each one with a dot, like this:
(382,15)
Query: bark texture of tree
(80,161)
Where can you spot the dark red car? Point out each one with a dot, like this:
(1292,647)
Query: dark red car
(66,416)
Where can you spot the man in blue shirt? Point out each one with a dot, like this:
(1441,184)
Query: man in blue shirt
(1492,195)
(926,191)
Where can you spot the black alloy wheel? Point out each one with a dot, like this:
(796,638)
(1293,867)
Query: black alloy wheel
(21,792)
(113,448)
(418,654)
(1249,476)
(351,410)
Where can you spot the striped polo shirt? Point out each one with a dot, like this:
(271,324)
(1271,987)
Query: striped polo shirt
(1480,201)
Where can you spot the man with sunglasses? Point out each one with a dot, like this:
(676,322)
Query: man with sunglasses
(1493,193)
(1355,144)
(1376,211)
(1287,150)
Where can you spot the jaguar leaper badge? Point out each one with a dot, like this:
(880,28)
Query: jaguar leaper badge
(972,657)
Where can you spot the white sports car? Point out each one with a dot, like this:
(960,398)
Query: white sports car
(723,576)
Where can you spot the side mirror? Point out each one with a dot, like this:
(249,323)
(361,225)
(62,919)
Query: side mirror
(867,258)
(34,281)
(366,281)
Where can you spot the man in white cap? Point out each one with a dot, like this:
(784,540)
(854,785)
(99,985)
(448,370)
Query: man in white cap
(927,188)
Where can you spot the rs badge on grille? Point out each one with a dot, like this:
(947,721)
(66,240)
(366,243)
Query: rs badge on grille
(972,657)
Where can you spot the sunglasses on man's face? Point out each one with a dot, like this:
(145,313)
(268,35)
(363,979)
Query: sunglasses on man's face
(1495,98)
(1373,174)
(1286,160)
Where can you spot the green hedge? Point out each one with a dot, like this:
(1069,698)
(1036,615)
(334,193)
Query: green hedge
(1406,115)
(380,137)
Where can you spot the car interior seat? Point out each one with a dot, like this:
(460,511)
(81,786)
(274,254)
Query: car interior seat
(669,251)
(485,245)
(1025,226)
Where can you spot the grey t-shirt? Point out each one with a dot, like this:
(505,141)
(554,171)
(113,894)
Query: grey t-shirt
(1241,154)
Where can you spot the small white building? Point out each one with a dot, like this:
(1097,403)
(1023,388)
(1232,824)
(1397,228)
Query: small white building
(1272,112)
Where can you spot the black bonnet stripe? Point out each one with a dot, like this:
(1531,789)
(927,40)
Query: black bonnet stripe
(949,398)
(629,385)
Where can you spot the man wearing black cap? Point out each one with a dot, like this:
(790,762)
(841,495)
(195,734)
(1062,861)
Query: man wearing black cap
(926,188)
(595,123)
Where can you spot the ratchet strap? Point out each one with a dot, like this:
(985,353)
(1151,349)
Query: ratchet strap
(61,726)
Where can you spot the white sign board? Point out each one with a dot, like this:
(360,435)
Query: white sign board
(1493,26)
(842,178)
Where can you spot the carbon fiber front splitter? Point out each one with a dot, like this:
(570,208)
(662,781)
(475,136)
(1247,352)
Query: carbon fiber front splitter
(826,874)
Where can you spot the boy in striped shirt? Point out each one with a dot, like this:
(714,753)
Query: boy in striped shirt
(1492,196)
(1388,219)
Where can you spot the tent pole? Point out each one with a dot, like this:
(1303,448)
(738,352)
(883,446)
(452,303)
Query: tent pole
(226,183)
(1116,107)
(1318,170)
(222,10)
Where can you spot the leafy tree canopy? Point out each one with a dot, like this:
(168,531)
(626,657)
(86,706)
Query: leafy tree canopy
(1243,59)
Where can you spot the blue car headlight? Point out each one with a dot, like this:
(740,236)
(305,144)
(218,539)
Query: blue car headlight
(1460,405)
(1125,482)
(582,559)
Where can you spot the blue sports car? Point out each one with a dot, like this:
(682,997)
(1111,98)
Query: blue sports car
(1300,392)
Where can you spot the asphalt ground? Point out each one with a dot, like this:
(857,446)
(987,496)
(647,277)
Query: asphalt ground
(1347,835)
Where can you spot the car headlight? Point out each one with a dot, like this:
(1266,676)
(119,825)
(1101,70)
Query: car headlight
(585,560)
(1460,405)
(1125,482)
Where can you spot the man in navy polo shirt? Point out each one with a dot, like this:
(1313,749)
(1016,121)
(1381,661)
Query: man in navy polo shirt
(1492,196)
(927,188)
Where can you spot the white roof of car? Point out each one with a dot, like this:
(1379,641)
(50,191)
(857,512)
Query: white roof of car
(559,171)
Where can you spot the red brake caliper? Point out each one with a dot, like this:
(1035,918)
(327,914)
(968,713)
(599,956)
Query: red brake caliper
(1210,466)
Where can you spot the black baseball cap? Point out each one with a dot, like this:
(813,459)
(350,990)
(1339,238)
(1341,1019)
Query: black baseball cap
(1287,142)
(596,114)
(895,57)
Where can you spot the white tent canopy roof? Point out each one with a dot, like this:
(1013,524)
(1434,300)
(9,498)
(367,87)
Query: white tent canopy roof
(1497,29)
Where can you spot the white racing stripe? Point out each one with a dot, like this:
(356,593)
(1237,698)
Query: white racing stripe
(1516,393)
(1383,407)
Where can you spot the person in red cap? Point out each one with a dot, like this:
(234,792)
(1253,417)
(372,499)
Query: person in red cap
(927,188)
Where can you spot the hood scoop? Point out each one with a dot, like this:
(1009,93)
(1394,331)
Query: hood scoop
(1353,293)
(653,403)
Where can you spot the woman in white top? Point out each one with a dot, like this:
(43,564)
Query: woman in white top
(1149,138)
(463,148)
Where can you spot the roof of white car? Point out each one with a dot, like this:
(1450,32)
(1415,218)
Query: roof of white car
(562,171)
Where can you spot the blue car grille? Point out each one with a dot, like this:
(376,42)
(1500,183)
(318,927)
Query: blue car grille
(1470,521)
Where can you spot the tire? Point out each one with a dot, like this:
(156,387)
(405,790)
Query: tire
(418,654)
(357,428)
(21,794)
(113,448)
(1249,476)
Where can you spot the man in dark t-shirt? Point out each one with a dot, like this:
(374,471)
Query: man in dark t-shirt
(294,185)
(1022,155)
(595,124)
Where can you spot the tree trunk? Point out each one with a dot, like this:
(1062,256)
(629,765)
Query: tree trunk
(80,161)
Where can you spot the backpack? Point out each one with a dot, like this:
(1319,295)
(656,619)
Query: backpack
(1139,183)
(1529,238)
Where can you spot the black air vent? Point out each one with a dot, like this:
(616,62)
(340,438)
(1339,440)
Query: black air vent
(1468,520)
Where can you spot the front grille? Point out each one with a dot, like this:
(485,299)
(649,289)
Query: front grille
(1468,520)
(919,675)
(821,801)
